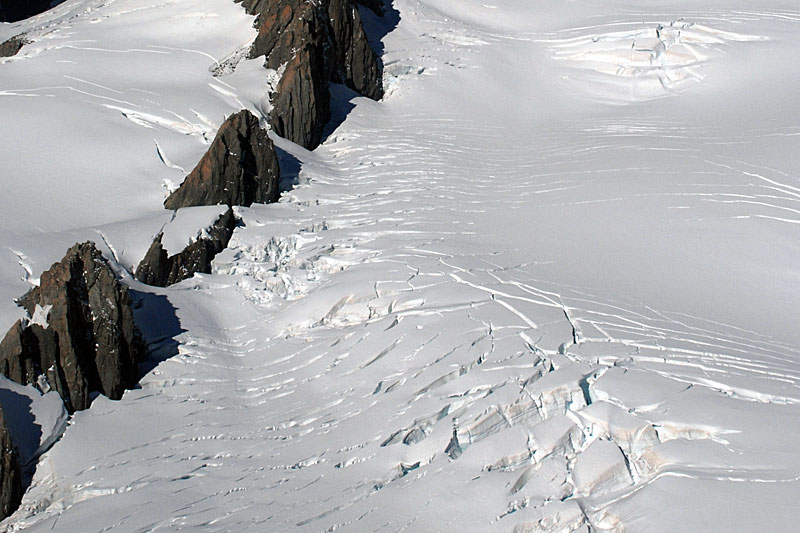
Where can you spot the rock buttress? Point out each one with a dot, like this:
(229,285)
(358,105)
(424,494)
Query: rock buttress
(314,43)
(161,270)
(239,168)
(355,64)
(301,101)
(80,336)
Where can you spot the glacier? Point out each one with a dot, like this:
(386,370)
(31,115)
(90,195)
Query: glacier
(548,283)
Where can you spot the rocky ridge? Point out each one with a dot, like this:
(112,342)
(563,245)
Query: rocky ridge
(79,336)
(312,44)
(239,168)
(160,269)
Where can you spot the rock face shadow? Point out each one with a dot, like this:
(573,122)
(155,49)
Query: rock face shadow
(341,105)
(290,169)
(25,432)
(158,322)
(376,29)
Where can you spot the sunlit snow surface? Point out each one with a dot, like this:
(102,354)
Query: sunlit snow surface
(550,282)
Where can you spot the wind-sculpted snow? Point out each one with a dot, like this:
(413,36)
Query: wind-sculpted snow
(646,61)
(496,300)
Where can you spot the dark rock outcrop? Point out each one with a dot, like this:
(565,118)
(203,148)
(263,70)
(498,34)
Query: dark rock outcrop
(10,474)
(14,10)
(80,336)
(301,102)
(239,168)
(315,43)
(294,33)
(355,64)
(12,46)
(284,27)
(161,270)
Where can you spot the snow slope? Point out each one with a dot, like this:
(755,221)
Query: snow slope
(549,283)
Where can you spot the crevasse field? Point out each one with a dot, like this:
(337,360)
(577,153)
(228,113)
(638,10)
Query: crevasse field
(551,282)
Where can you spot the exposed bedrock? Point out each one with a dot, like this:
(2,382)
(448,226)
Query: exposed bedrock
(160,269)
(10,474)
(12,46)
(79,336)
(314,44)
(14,10)
(239,168)
(301,102)
(355,64)
(284,26)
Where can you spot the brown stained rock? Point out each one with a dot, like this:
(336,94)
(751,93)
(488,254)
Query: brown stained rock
(161,270)
(356,65)
(12,46)
(294,35)
(239,168)
(301,101)
(283,28)
(315,43)
(84,338)
(10,474)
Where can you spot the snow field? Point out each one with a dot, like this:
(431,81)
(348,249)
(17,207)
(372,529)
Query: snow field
(495,300)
